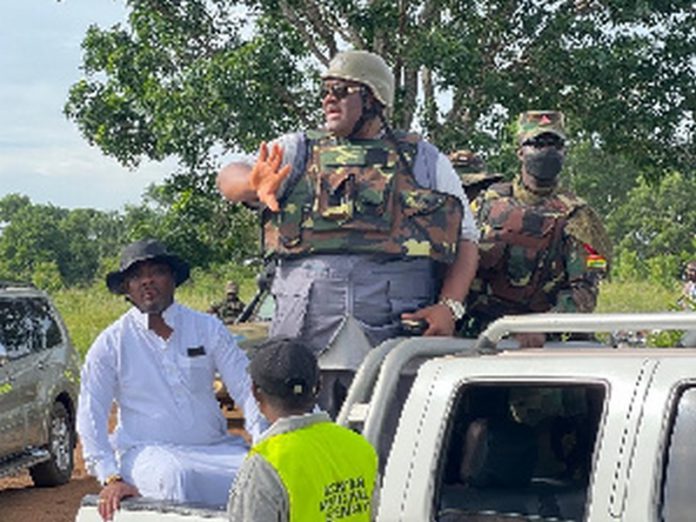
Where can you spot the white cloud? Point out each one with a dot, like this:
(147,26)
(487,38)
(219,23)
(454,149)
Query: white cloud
(42,154)
(74,177)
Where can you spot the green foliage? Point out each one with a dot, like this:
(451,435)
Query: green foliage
(635,296)
(200,228)
(54,246)
(664,270)
(10,205)
(86,311)
(182,78)
(602,179)
(665,338)
(628,267)
(195,79)
(47,276)
(208,285)
(656,219)
(57,247)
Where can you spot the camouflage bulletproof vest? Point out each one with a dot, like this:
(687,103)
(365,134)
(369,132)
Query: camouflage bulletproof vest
(357,197)
(521,264)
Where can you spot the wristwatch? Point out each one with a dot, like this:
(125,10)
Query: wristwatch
(456,307)
(111,479)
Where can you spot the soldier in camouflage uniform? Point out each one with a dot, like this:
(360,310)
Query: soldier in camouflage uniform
(542,249)
(472,171)
(229,308)
(363,221)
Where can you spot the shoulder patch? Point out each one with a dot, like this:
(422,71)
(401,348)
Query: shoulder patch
(585,226)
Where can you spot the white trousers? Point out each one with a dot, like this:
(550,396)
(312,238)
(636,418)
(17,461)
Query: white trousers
(193,474)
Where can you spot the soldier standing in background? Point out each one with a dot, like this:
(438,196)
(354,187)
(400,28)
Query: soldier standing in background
(472,171)
(229,308)
(542,249)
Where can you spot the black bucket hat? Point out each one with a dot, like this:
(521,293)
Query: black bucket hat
(146,250)
(284,367)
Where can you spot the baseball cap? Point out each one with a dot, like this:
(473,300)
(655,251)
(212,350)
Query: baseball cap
(531,124)
(285,367)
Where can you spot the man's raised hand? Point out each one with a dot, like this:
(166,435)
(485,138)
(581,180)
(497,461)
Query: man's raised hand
(267,175)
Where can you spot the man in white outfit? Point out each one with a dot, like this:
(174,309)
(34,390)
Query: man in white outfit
(157,363)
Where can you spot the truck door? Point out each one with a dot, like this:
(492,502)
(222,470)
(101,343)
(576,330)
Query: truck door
(519,449)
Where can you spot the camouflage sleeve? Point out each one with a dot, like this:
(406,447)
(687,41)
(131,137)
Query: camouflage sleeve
(585,268)
(579,294)
(586,226)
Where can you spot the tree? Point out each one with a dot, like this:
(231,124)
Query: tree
(185,78)
(200,228)
(32,237)
(657,219)
(10,205)
(42,241)
(603,179)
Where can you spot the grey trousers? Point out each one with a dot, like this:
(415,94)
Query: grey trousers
(314,294)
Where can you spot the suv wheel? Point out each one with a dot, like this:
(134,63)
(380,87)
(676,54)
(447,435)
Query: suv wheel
(58,469)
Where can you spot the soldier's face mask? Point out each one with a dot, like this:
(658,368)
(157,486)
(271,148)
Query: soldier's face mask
(544,165)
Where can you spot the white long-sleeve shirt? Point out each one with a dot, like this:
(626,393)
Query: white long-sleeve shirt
(163,388)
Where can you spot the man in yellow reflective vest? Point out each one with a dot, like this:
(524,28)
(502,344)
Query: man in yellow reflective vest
(303,467)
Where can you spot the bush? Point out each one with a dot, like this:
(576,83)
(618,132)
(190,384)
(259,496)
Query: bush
(46,276)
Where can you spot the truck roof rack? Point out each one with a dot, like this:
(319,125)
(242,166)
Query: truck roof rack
(488,341)
(377,378)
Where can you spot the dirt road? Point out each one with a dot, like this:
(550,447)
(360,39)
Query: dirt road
(21,502)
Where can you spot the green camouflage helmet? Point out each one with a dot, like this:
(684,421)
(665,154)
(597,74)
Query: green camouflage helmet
(534,123)
(366,68)
(471,168)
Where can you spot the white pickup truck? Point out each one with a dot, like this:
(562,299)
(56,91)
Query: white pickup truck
(470,431)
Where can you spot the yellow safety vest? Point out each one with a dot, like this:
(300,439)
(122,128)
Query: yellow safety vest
(328,471)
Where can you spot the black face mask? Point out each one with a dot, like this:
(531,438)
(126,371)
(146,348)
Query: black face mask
(544,166)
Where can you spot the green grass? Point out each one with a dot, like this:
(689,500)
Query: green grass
(636,296)
(88,311)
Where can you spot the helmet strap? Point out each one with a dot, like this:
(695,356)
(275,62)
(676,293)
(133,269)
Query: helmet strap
(369,111)
(389,132)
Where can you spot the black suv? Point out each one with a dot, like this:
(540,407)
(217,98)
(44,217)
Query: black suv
(39,379)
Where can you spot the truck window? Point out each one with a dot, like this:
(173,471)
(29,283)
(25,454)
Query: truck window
(15,327)
(47,334)
(677,479)
(519,452)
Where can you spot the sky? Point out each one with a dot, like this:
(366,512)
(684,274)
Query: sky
(42,154)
